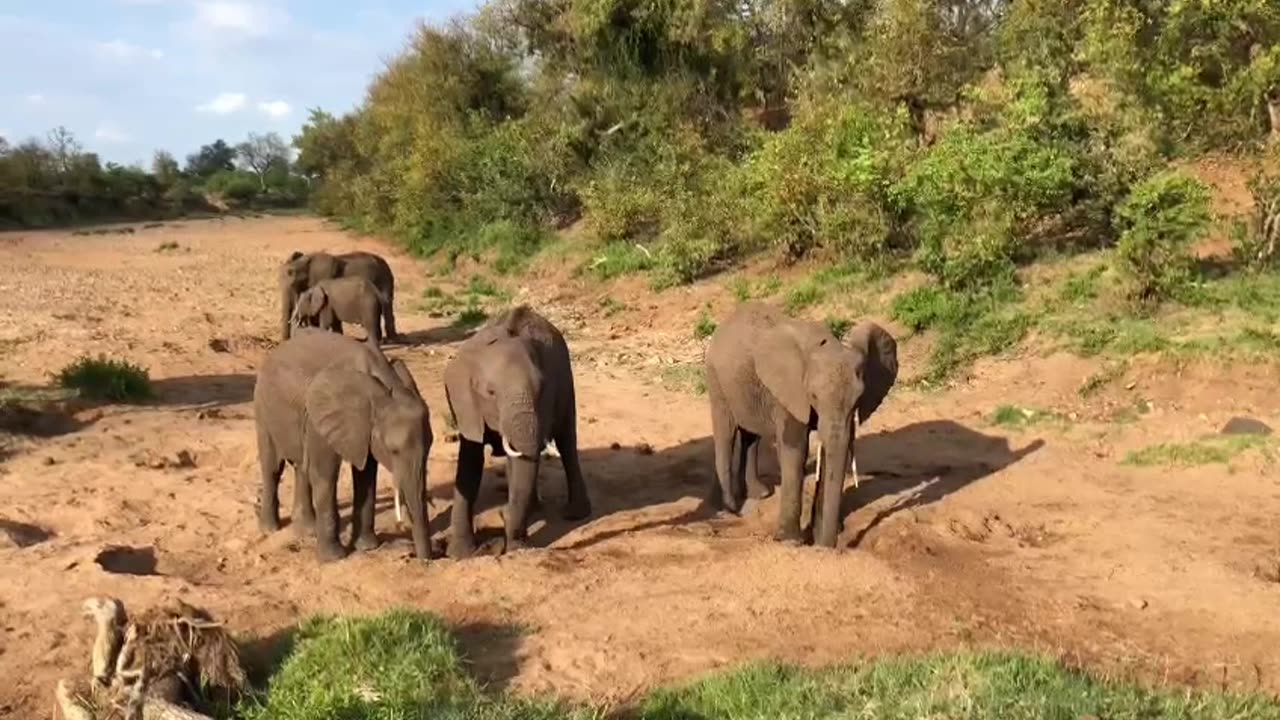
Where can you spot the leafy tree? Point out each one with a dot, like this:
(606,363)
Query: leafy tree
(261,153)
(211,158)
(165,168)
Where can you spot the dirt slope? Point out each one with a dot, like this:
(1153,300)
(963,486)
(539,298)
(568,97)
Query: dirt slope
(963,534)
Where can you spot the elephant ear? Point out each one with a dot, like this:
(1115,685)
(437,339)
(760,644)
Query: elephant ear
(880,370)
(462,399)
(339,406)
(780,366)
(402,372)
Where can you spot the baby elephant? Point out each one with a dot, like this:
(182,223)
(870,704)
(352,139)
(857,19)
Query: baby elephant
(353,299)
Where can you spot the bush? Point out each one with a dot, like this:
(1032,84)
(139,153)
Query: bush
(1157,224)
(233,185)
(1257,237)
(103,378)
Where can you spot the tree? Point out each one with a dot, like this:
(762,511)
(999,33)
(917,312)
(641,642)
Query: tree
(64,147)
(261,153)
(165,168)
(212,158)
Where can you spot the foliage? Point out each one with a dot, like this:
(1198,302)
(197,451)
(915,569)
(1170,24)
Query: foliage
(969,325)
(104,378)
(1257,236)
(1215,449)
(1157,223)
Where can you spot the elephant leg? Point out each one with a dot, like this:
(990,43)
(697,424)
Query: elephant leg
(723,429)
(793,450)
(272,467)
(389,314)
(579,502)
(826,527)
(755,488)
(466,488)
(373,329)
(322,467)
(304,509)
(365,491)
(522,485)
(336,326)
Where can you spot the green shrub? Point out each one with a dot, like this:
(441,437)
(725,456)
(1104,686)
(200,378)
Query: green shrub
(1257,237)
(233,185)
(1157,224)
(968,325)
(620,259)
(705,326)
(104,378)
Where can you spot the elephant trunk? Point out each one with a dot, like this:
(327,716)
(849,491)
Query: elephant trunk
(521,431)
(835,449)
(412,485)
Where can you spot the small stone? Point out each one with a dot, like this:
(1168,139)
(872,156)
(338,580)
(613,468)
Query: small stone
(1138,604)
(219,345)
(1131,386)
(49,461)
(644,449)
(615,446)
(185,459)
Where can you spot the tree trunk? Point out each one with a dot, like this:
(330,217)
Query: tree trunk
(1273,110)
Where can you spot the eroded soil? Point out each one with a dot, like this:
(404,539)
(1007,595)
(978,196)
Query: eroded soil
(961,533)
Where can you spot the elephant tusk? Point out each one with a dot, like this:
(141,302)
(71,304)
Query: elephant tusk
(511,452)
(551,450)
(396,495)
(853,455)
(817,472)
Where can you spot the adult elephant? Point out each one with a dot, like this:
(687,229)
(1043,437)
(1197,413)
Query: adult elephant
(303,271)
(511,387)
(320,399)
(769,373)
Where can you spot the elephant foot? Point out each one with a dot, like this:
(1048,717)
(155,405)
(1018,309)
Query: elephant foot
(368,541)
(791,536)
(515,545)
(580,510)
(302,524)
(330,551)
(759,492)
(749,507)
(461,549)
(268,524)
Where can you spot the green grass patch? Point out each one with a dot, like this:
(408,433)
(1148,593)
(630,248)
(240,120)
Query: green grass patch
(969,325)
(399,665)
(684,377)
(1013,416)
(1211,450)
(481,286)
(838,325)
(617,259)
(471,317)
(976,686)
(743,289)
(802,296)
(705,326)
(108,379)
(168,246)
(1097,381)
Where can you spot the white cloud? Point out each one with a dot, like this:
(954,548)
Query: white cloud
(110,134)
(275,108)
(35,99)
(121,50)
(238,17)
(225,104)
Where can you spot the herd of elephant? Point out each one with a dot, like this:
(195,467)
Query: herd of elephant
(322,398)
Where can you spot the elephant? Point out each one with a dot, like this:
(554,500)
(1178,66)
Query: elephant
(510,387)
(352,299)
(770,373)
(305,270)
(320,399)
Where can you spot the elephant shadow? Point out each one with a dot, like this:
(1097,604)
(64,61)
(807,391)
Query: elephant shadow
(204,390)
(922,462)
(441,335)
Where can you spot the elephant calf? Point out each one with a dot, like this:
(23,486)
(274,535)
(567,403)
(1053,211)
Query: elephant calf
(329,303)
(511,387)
(769,373)
(321,399)
(305,270)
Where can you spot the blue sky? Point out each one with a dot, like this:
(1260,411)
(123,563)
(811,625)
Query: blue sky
(130,76)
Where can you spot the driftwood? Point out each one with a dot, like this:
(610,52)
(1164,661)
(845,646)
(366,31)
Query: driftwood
(151,667)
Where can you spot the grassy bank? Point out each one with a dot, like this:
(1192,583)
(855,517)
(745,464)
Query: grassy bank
(406,664)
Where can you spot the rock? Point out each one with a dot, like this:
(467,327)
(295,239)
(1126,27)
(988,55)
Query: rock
(1245,426)
(1138,604)
(185,459)
(49,461)
(219,345)
(644,449)
(615,446)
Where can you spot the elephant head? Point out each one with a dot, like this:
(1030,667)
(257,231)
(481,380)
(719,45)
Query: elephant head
(495,382)
(362,417)
(819,380)
(314,308)
(299,272)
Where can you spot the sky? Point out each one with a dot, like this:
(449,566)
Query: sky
(127,77)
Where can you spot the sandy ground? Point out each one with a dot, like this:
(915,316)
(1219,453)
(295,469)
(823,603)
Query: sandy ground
(961,534)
